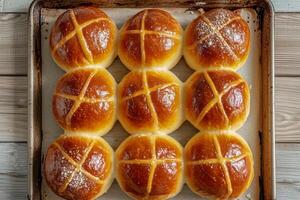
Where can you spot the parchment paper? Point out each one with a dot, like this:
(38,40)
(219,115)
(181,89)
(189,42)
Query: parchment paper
(251,72)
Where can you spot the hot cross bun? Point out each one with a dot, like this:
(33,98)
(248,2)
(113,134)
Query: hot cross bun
(150,167)
(79,167)
(218,38)
(150,39)
(85,101)
(216,100)
(83,36)
(150,102)
(218,166)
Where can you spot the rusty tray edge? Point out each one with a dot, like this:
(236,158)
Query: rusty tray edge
(268,179)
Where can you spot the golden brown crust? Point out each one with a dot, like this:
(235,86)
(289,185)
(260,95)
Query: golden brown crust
(217,100)
(150,167)
(83,36)
(150,102)
(218,165)
(217,38)
(79,167)
(150,39)
(84,101)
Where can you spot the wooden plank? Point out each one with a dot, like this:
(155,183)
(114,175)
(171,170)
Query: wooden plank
(287,108)
(15,5)
(13,187)
(13,92)
(288,171)
(286,5)
(13,159)
(287,40)
(13,108)
(288,191)
(23,5)
(13,40)
(13,170)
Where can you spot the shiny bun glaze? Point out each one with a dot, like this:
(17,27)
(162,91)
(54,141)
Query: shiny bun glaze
(150,39)
(79,167)
(217,38)
(150,102)
(150,167)
(85,101)
(218,166)
(83,36)
(217,100)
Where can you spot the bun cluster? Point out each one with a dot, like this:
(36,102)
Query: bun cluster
(218,162)
(80,164)
(149,164)
(150,102)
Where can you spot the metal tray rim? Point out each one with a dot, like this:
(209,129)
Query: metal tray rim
(34,99)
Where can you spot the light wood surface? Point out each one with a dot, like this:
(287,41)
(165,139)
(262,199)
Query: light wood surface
(287,40)
(13,101)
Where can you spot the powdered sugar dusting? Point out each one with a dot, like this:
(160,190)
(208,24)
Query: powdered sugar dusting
(202,29)
(222,37)
(58,169)
(79,181)
(97,162)
(235,34)
(219,17)
(66,169)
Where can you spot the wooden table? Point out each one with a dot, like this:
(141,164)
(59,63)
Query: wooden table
(13,98)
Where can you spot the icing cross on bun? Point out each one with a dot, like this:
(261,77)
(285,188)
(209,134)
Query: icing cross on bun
(150,102)
(150,167)
(217,38)
(150,39)
(78,167)
(218,166)
(85,101)
(83,36)
(217,100)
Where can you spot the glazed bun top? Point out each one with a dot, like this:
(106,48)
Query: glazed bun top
(217,100)
(79,167)
(150,102)
(217,38)
(83,36)
(150,167)
(150,39)
(219,166)
(85,101)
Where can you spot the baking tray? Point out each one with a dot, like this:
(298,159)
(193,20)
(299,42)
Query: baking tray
(267,181)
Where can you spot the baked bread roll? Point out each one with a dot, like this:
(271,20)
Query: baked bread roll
(150,167)
(85,101)
(217,38)
(217,100)
(79,167)
(150,102)
(218,166)
(83,36)
(150,39)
